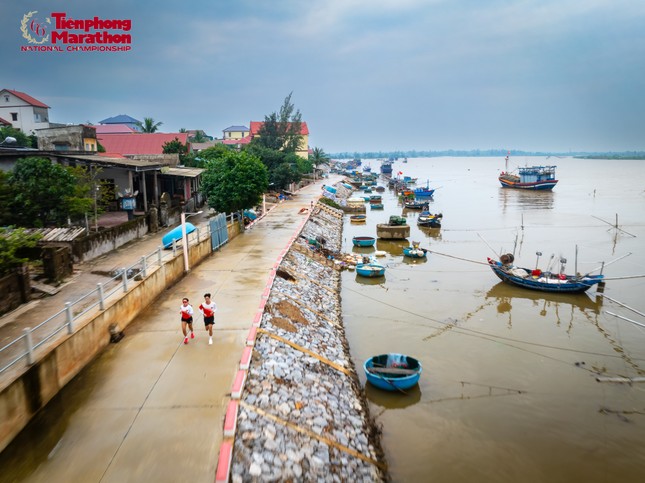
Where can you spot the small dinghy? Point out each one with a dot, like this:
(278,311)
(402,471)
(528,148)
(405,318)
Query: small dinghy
(392,372)
(175,235)
(358,218)
(370,270)
(363,241)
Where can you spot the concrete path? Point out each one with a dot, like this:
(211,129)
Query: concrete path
(151,408)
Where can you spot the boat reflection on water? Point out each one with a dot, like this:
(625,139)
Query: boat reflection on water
(393,247)
(414,261)
(526,199)
(364,250)
(545,301)
(393,399)
(370,280)
(434,233)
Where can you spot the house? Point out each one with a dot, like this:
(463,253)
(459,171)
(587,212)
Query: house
(123,119)
(23,111)
(67,138)
(139,143)
(235,132)
(303,149)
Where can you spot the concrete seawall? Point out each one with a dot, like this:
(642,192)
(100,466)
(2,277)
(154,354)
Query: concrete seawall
(300,412)
(25,390)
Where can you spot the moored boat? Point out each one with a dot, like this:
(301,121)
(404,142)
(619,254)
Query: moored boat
(376,206)
(358,218)
(416,204)
(370,270)
(529,178)
(392,372)
(428,219)
(414,251)
(176,234)
(536,279)
(363,241)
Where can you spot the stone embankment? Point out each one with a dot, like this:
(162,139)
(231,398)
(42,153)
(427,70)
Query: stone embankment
(302,414)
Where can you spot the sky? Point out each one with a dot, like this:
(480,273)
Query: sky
(367,75)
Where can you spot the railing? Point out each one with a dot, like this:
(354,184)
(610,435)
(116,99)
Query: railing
(23,347)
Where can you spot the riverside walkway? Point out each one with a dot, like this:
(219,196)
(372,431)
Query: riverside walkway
(151,408)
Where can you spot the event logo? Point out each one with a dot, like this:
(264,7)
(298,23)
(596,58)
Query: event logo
(33,29)
(75,35)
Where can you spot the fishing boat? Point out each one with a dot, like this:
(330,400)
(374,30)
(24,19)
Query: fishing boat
(529,178)
(380,189)
(370,270)
(363,241)
(386,167)
(409,180)
(358,218)
(414,251)
(428,219)
(424,192)
(392,372)
(375,198)
(416,204)
(176,234)
(536,279)
(376,206)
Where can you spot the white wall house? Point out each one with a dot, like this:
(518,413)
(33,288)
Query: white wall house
(23,111)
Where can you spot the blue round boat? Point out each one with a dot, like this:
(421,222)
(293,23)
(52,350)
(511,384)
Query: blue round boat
(414,252)
(363,241)
(370,270)
(392,372)
(176,234)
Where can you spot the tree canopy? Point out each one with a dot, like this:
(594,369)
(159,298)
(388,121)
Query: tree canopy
(281,130)
(46,193)
(21,138)
(233,181)
(12,240)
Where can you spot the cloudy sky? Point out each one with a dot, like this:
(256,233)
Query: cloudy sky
(552,75)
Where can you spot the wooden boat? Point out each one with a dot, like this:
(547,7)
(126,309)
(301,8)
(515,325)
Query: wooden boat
(358,218)
(416,204)
(539,280)
(363,241)
(380,189)
(176,234)
(529,178)
(428,219)
(370,270)
(397,228)
(376,198)
(414,251)
(376,206)
(392,372)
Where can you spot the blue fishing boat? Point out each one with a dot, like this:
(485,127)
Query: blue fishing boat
(428,219)
(376,206)
(386,167)
(424,192)
(542,281)
(416,204)
(370,270)
(363,241)
(392,372)
(376,198)
(529,178)
(176,234)
(358,218)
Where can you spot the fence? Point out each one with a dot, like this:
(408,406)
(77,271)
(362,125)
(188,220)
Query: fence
(24,346)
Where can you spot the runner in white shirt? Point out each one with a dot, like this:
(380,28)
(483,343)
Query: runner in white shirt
(186,312)
(208,308)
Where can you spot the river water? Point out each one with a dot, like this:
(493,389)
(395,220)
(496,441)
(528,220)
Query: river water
(508,391)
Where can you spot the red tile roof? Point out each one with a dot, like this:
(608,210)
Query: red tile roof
(138,143)
(113,129)
(4,122)
(244,140)
(27,98)
(256,125)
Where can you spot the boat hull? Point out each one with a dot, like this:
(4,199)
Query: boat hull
(567,285)
(371,270)
(176,234)
(392,382)
(537,185)
(412,252)
(363,241)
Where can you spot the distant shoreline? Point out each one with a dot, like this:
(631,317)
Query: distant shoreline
(636,155)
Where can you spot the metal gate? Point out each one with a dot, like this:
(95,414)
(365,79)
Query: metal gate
(219,232)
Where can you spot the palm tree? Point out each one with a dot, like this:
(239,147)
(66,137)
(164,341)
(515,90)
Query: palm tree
(149,125)
(199,137)
(317,158)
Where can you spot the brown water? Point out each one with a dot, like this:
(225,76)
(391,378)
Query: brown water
(508,391)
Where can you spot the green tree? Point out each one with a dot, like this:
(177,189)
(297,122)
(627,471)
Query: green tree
(12,240)
(22,140)
(149,125)
(234,181)
(281,130)
(6,197)
(318,157)
(199,137)
(45,193)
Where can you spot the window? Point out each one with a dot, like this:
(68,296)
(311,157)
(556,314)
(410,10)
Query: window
(87,147)
(6,98)
(14,116)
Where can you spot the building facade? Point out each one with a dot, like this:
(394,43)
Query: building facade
(23,111)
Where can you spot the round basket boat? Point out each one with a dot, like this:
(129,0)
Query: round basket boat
(392,372)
